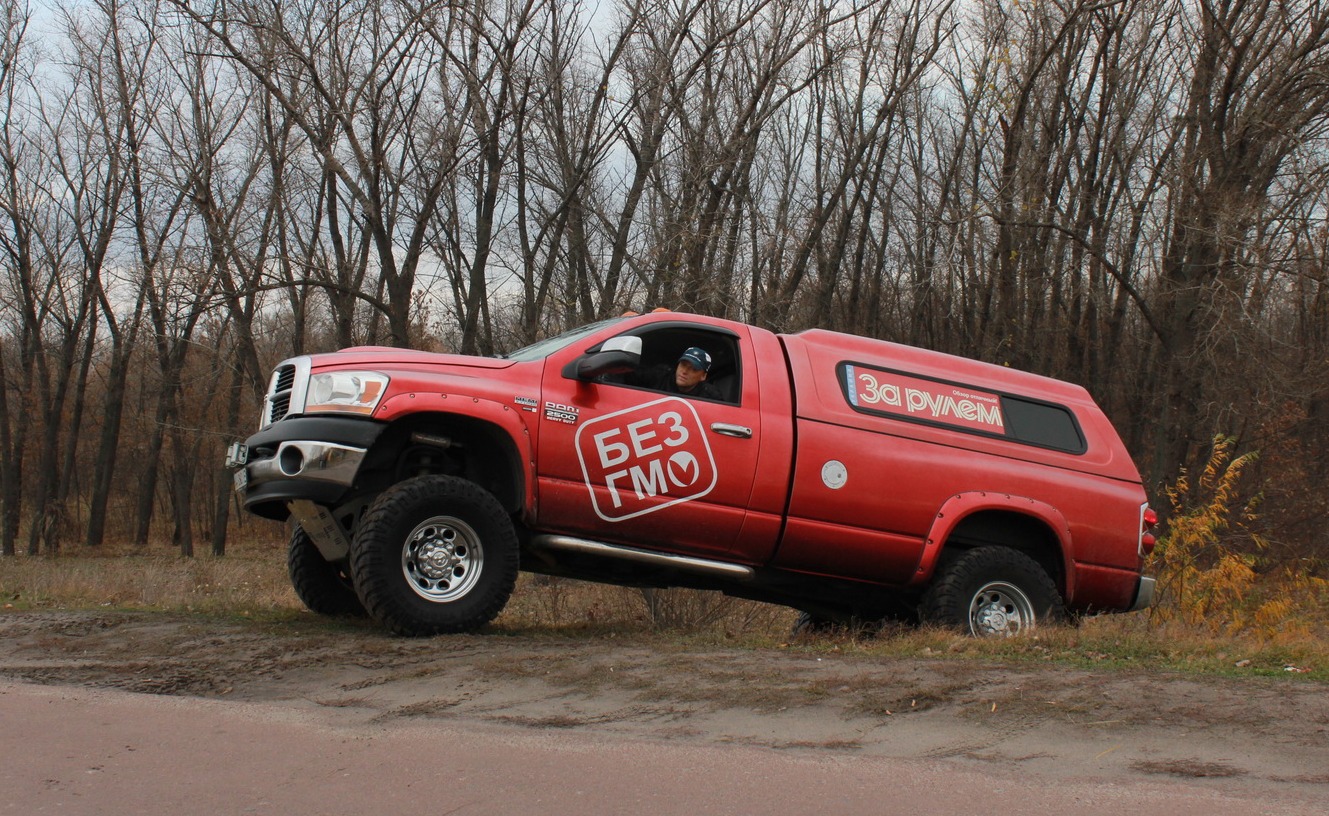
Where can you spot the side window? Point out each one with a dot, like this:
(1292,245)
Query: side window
(663,347)
(1043,424)
(913,398)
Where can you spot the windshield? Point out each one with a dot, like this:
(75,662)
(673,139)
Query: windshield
(543,348)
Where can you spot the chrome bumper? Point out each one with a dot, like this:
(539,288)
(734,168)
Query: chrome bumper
(299,459)
(1144,594)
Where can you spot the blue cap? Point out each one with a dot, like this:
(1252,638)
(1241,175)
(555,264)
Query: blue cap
(697,358)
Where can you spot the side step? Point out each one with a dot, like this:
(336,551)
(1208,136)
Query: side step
(734,572)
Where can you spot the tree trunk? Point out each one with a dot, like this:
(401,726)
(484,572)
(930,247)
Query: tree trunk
(147,487)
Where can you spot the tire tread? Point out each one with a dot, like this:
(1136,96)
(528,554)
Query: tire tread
(375,556)
(946,601)
(320,585)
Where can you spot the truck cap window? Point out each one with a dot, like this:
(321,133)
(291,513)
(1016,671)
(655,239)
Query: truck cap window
(894,394)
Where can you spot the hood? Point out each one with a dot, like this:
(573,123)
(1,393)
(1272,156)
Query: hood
(370,356)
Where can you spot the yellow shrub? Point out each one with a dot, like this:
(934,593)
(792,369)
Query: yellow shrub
(1205,562)
(1294,609)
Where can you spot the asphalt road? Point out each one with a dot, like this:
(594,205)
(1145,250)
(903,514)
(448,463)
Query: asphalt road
(72,750)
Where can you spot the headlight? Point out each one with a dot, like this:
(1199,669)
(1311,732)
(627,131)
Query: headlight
(356,392)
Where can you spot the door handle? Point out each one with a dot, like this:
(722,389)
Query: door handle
(736,431)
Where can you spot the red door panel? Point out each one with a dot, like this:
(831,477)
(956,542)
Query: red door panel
(640,467)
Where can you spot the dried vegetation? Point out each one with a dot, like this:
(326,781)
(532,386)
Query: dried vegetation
(1219,610)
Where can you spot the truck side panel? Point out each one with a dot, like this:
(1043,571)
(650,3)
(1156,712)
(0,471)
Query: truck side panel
(868,490)
(609,463)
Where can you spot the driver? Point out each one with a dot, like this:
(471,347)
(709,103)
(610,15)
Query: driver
(688,376)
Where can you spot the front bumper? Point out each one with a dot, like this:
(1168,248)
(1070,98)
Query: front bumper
(304,458)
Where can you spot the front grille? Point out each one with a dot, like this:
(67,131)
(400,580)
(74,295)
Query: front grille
(280,407)
(285,389)
(285,378)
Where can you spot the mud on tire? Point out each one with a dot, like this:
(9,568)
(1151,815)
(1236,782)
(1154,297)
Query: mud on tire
(992,592)
(323,586)
(434,555)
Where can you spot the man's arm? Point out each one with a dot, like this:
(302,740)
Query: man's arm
(705,389)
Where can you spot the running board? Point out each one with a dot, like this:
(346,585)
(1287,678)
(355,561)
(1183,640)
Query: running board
(734,572)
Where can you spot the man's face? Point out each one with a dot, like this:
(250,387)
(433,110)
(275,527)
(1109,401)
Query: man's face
(687,376)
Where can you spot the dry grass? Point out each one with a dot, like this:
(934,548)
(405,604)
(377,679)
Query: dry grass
(554,603)
(251,582)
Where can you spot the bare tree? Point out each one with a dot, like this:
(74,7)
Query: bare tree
(16,242)
(854,116)
(1256,96)
(354,79)
(562,163)
(488,71)
(55,310)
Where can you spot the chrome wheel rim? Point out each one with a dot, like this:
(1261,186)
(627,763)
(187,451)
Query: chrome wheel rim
(1000,609)
(442,559)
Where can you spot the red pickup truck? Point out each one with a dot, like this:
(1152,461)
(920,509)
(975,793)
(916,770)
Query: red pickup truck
(843,476)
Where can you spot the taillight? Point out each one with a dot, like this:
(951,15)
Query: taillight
(1148,521)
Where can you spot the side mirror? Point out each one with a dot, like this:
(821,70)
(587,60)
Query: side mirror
(618,355)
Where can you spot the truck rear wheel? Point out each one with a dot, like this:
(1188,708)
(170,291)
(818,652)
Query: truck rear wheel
(992,592)
(324,587)
(434,555)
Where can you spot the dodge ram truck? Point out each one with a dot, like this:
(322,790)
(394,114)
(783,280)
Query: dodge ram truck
(847,477)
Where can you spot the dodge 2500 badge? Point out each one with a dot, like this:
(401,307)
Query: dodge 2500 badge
(843,476)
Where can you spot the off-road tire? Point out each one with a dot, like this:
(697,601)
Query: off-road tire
(809,624)
(434,555)
(323,586)
(992,592)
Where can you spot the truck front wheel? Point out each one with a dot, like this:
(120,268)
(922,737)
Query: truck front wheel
(324,587)
(434,555)
(992,592)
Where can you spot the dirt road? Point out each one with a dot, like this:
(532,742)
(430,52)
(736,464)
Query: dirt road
(304,719)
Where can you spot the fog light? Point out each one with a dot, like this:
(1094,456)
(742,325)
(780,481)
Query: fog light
(291,460)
